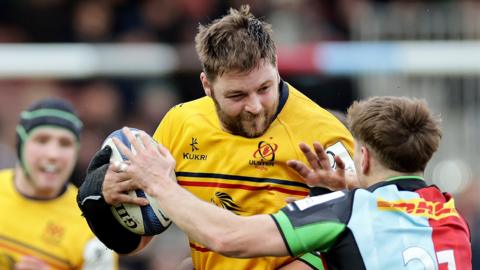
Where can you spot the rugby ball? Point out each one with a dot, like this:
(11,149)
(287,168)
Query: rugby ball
(143,220)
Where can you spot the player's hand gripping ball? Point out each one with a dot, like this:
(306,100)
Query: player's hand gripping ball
(143,220)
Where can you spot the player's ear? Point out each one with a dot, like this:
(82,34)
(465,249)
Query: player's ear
(206,84)
(365,163)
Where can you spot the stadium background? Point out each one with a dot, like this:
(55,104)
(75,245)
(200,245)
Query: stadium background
(126,62)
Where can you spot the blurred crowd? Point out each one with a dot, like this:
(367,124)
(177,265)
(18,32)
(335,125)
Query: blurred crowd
(154,20)
(106,104)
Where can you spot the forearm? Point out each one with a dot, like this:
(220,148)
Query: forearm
(217,228)
(203,222)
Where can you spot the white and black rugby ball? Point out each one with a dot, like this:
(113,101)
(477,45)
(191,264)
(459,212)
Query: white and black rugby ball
(143,220)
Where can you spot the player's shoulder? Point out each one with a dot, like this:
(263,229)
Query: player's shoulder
(6,185)
(320,200)
(6,174)
(69,196)
(193,106)
(331,206)
(192,113)
(299,106)
(297,100)
(66,207)
(200,106)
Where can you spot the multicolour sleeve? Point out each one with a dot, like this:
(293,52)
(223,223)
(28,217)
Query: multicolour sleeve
(310,224)
(314,260)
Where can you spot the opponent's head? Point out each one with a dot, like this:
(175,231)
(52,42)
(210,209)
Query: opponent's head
(401,133)
(48,138)
(240,73)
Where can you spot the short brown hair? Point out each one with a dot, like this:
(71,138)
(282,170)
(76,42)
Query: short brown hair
(402,132)
(235,42)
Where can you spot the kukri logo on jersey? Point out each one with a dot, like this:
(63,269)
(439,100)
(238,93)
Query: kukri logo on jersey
(192,155)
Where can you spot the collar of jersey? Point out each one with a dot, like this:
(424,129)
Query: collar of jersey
(283,89)
(405,182)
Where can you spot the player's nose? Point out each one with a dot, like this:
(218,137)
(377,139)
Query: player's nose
(52,151)
(253,106)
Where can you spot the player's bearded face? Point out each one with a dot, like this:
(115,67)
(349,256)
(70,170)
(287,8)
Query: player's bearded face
(246,103)
(245,123)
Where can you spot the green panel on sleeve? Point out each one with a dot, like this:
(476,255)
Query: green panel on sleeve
(318,236)
(312,260)
(288,232)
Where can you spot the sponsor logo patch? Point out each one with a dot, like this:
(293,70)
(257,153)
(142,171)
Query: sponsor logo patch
(264,155)
(194,146)
(420,207)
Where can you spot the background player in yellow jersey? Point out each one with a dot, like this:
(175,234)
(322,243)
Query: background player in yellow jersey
(231,146)
(41,227)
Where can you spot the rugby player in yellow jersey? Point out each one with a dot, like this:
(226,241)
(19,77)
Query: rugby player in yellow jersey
(41,227)
(231,146)
(390,219)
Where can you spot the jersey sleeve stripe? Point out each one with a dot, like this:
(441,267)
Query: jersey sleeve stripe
(22,249)
(199,248)
(242,178)
(244,187)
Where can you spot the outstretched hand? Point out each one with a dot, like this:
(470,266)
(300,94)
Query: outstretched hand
(320,173)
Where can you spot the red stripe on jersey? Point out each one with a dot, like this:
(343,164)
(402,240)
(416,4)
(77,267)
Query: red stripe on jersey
(240,186)
(449,233)
(198,248)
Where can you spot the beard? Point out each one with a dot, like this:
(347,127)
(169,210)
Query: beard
(247,124)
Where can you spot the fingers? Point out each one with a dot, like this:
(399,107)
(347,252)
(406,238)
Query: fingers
(163,151)
(123,148)
(340,164)
(322,156)
(141,142)
(117,187)
(132,139)
(127,198)
(166,154)
(290,199)
(31,263)
(119,167)
(147,141)
(310,156)
(299,167)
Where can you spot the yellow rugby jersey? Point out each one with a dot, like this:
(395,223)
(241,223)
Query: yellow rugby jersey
(247,176)
(51,230)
